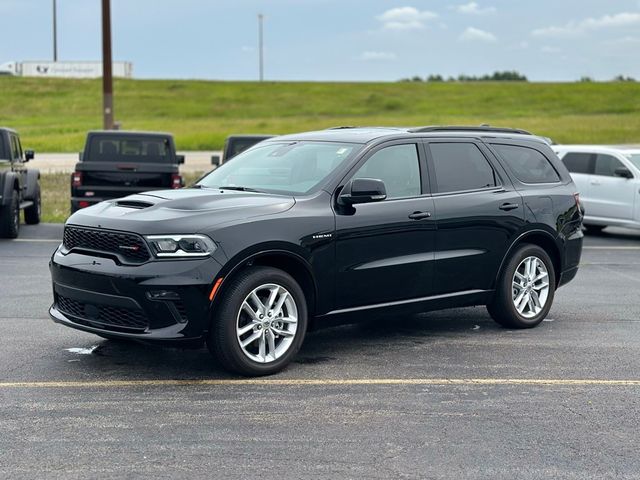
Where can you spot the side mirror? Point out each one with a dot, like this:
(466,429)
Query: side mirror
(623,172)
(362,190)
(215,160)
(180,159)
(29,155)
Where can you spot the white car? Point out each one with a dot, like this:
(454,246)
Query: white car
(608,180)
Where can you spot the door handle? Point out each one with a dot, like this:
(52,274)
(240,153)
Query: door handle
(419,215)
(508,206)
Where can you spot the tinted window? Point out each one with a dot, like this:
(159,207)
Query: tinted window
(131,149)
(527,164)
(461,166)
(398,167)
(606,165)
(16,151)
(578,162)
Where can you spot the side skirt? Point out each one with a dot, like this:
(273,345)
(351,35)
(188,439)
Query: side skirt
(343,316)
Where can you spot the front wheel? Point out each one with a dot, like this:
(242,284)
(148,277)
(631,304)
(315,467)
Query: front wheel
(10,218)
(260,322)
(525,290)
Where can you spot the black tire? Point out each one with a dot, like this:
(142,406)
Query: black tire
(223,342)
(10,218)
(32,213)
(502,308)
(595,229)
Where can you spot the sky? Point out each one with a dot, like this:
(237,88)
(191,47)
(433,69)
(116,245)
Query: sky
(341,40)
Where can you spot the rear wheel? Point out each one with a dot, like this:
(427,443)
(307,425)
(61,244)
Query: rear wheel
(10,218)
(260,322)
(525,290)
(32,213)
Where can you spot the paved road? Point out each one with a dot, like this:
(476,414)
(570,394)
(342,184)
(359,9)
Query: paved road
(442,395)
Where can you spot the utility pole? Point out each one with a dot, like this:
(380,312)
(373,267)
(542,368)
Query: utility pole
(107,76)
(55,32)
(261,45)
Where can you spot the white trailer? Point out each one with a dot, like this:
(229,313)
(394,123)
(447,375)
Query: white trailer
(65,69)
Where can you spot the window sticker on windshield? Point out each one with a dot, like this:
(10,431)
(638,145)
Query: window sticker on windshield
(342,151)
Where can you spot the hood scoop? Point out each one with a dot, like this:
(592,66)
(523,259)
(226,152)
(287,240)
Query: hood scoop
(137,204)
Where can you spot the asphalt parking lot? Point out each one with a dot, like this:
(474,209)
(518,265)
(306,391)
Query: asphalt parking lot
(442,395)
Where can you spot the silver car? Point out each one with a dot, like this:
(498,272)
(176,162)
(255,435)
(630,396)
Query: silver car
(608,180)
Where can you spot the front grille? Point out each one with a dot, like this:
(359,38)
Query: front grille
(128,246)
(106,315)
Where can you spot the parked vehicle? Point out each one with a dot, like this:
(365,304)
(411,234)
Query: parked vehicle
(608,179)
(116,163)
(19,186)
(236,144)
(313,229)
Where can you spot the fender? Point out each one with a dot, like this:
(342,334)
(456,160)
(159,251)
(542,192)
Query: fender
(533,231)
(247,256)
(31,184)
(8,182)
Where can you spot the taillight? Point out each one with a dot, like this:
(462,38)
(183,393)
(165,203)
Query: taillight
(76,179)
(576,197)
(83,204)
(176,181)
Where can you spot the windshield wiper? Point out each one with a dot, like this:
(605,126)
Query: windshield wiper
(197,185)
(240,189)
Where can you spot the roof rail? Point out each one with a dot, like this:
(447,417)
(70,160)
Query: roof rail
(481,128)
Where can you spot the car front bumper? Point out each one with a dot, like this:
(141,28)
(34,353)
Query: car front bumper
(166,301)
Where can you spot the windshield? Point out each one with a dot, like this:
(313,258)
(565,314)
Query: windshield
(129,149)
(281,167)
(635,159)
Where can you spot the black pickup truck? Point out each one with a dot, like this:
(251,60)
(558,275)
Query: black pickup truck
(19,187)
(117,163)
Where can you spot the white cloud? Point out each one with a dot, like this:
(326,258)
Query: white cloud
(377,56)
(472,34)
(472,8)
(572,28)
(405,18)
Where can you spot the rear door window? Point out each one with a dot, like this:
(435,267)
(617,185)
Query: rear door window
(461,166)
(606,165)
(527,164)
(579,162)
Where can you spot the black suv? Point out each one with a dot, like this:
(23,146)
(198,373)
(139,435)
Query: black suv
(317,228)
(19,186)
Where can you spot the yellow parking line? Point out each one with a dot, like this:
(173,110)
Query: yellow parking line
(622,247)
(325,382)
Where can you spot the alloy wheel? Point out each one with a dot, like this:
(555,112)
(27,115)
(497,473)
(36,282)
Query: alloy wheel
(266,323)
(530,287)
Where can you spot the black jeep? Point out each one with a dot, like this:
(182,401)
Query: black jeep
(19,187)
(115,164)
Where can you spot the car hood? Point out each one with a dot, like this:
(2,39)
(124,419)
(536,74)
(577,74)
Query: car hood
(186,210)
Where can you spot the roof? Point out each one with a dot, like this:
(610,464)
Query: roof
(599,148)
(128,132)
(364,135)
(7,129)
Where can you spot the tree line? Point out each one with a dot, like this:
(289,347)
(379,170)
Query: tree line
(504,76)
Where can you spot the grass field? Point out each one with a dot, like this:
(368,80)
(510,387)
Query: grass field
(53,115)
(56,195)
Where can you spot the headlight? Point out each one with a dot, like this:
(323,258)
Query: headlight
(184,246)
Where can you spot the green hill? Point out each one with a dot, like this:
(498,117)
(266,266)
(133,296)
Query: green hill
(54,114)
